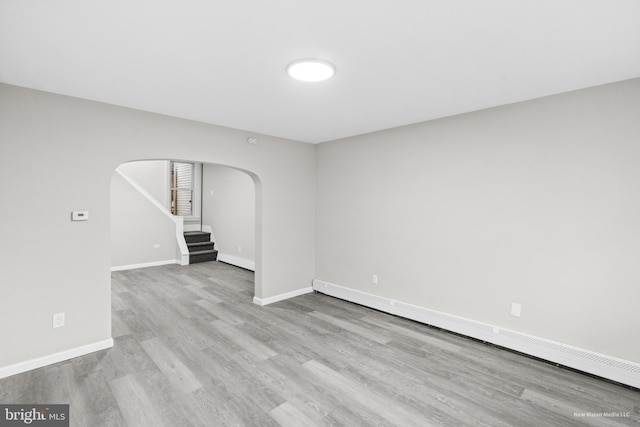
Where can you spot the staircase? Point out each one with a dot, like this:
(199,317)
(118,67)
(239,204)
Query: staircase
(200,247)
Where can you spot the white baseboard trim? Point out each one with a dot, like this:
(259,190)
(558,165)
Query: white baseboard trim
(39,362)
(602,365)
(238,262)
(281,297)
(146,264)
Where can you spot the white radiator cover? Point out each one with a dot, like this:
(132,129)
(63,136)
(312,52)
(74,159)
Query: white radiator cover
(609,367)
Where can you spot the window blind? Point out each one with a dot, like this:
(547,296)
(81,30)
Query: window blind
(181,188)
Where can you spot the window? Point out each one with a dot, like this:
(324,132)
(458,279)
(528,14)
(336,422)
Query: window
(182,188)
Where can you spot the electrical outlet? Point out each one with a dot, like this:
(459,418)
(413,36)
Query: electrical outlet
(156,246)
(239,248)
(58,320)
(516,309)
(374,279)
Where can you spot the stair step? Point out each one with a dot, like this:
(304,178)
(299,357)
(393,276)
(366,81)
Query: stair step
(197,236)
(208,251)
(203,256)
(200,246)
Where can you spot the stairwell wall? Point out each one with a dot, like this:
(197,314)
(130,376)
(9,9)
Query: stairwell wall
(228,206)
(141,234)
(153,176)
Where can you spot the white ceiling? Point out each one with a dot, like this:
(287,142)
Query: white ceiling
(398,61)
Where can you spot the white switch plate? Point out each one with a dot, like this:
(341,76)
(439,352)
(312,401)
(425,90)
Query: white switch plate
(374,279)
(516,309)
(80,216)
(58,320)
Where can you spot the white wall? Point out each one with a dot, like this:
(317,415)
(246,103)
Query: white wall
(67,149)
(152,175)
(535,203)
(229,208)
(140,232)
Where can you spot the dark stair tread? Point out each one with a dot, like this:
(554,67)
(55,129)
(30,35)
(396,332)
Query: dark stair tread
(208,251)
(200,244)
(197,236)
(203,256)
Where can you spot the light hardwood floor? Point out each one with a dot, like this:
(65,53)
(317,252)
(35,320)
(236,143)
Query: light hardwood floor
(191,349)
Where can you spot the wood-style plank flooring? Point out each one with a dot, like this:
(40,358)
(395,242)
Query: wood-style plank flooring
(191,349)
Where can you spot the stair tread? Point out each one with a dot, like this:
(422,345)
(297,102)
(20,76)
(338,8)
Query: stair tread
(208,251)
(200,243)
(197,236)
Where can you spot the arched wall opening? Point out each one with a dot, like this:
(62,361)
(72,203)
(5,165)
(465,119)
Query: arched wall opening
(69,148)
(143,230)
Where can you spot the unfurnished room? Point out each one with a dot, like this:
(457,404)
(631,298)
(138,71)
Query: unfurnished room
(304,213)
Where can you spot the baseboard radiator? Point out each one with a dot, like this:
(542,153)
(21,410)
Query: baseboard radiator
(609,367)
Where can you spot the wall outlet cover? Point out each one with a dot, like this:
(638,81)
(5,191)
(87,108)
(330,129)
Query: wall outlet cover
(58,320)
(516,309)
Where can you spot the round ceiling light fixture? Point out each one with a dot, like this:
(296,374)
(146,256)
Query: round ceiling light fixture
(311,70)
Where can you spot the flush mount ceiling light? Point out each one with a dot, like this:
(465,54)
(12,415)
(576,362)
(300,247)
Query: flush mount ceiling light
(311,70)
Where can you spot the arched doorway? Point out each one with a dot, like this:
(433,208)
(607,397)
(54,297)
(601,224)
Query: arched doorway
(227,202)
